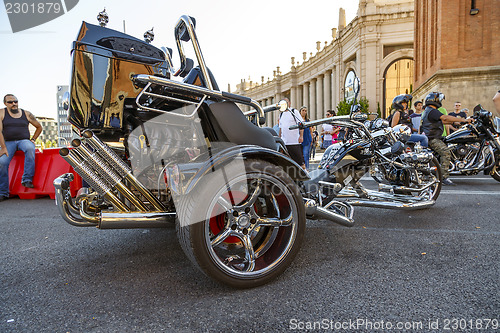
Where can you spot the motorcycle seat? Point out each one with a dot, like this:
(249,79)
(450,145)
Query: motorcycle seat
(277,138)
(238,129)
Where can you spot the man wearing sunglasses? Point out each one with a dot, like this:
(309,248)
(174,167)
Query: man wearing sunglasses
(15,135)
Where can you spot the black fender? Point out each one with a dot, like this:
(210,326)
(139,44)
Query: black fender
(492,159)
(190,174)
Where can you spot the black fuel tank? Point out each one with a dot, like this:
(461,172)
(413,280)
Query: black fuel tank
(463,135)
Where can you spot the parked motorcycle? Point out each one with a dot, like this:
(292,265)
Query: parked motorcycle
(408,179)
(476,147)
(385,137)
(156,151)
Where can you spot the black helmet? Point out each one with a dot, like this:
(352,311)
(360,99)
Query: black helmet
(434,98)
(404,98)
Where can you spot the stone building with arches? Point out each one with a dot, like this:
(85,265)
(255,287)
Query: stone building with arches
(377,46)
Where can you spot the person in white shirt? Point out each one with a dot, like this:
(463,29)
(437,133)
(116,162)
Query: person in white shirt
(416,117)
(329,132)
(292,138)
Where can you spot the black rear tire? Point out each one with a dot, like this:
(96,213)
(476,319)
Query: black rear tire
(246,232)
(496,172)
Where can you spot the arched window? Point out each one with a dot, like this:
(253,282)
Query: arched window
(349,85)
(398,79)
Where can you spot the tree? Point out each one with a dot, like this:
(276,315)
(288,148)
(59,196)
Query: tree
(344,107)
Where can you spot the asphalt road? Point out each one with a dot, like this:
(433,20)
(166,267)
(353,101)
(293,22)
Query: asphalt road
(415,271)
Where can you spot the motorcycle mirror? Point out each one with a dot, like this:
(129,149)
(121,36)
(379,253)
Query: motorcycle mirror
(283,105)
(356,86)
(182,30)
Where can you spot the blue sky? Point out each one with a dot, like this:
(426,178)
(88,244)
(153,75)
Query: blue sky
(238,40)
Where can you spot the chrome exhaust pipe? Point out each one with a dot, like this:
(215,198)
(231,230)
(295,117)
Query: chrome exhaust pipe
(389,188)
(91,177)
(391,205)
(65,205)
(136,220)
(121,167)
(108,174)
(317,212)
(104,220)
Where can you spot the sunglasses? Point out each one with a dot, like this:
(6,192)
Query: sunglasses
(11,102)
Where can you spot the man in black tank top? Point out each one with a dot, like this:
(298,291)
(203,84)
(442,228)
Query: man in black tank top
(15,135)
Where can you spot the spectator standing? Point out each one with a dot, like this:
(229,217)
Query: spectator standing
(457,112)
(315,136)
(292,138)
(329,131)
(416,117)
(307,142)
(15,135)
(446,128)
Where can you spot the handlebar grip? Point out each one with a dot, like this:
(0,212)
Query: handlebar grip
(270,108)
(236,97)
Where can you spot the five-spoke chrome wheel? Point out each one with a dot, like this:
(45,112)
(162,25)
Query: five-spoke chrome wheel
(250,227)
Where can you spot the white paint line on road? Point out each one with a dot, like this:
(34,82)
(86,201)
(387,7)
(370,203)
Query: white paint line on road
(474,178)
(458,192)
(359,227)
(452,178)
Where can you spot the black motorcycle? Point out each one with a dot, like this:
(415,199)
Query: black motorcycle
(476,147)
(407,179)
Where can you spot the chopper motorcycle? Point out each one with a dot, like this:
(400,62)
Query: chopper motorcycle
(476,147)
(407,179)
(385,137)
(155,151)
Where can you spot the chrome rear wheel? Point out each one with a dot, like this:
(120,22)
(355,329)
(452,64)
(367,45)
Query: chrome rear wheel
(250,228)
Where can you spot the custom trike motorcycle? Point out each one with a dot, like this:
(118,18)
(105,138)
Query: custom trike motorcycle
(160,145)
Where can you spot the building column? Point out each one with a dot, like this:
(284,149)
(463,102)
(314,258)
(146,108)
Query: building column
(327,84)
(319,97)
(312,99)
(305,94)
(335,88)
(371,75)
(299,96)
(293,97)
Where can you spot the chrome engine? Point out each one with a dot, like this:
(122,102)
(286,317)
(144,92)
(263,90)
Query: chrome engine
(133,205)
(463,156)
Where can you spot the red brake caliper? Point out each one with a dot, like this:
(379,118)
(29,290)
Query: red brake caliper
(218,219)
